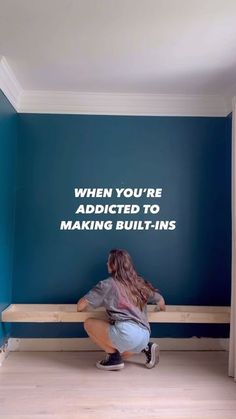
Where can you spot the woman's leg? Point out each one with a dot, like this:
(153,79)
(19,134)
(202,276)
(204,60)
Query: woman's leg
(126,355)
(98,332)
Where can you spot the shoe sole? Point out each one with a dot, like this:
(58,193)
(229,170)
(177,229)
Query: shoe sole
(110,367)
(155,356)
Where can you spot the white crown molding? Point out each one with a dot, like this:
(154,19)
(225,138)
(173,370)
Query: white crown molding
(9,84)
(228,105)
(122,104)
(234,104)
(88,103)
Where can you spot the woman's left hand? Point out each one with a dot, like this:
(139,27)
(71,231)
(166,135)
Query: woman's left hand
(82,304)
(161,305)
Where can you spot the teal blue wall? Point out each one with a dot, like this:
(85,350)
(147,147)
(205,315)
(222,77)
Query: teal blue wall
(8,144)
(189,157)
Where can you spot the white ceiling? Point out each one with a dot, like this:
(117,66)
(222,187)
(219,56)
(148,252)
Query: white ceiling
(129,46)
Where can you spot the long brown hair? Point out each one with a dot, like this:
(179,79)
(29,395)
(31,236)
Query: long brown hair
(122,270)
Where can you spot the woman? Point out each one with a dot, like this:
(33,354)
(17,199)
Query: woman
(125,296)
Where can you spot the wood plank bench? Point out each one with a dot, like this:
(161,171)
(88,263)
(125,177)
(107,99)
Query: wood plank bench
(67,313)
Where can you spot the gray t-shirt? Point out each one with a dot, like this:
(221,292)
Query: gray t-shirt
(111,295)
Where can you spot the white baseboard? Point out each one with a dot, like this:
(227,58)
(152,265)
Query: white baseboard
(85,344)
(4,352)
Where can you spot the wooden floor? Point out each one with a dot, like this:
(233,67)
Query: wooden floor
(66,385)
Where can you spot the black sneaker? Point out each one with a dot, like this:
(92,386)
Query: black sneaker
(152,354)
(112,362)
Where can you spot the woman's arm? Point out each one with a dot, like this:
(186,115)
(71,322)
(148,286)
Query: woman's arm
(161,304)
(82,304)
(156,298)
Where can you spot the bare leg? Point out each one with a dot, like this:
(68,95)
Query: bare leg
(98,332)
(126,355)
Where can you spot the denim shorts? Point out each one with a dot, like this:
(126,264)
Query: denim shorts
(128,336)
